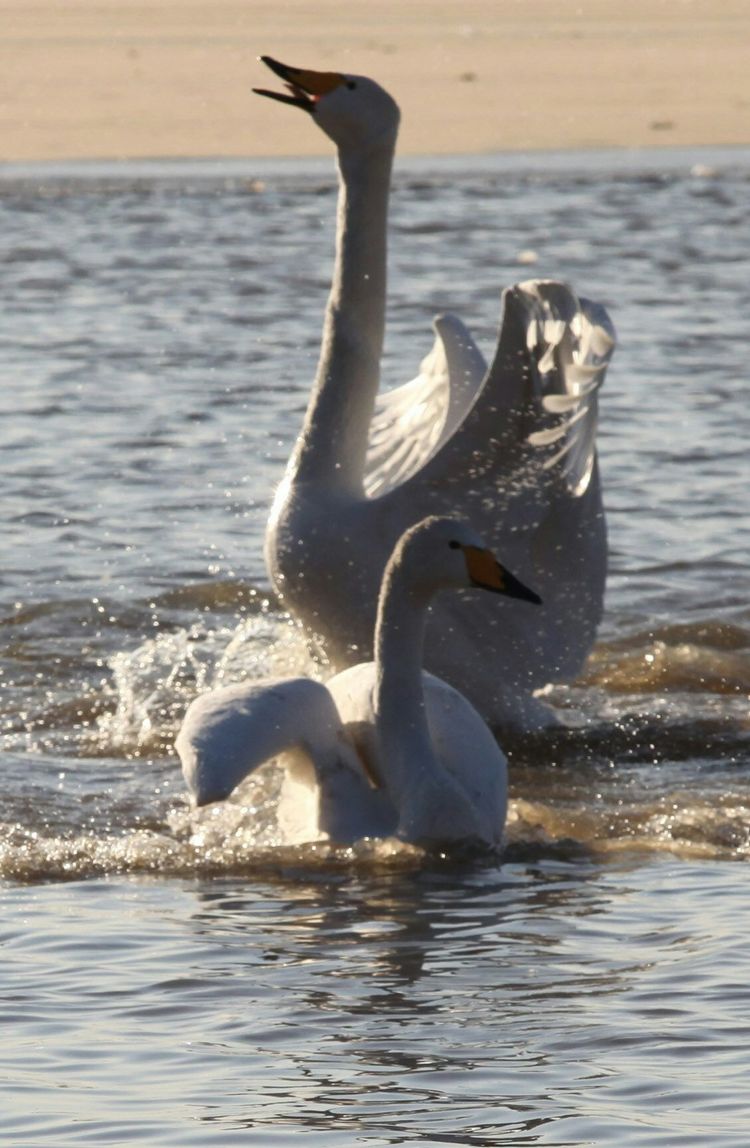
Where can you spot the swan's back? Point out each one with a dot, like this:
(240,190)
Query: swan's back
(463,744)
(470,753)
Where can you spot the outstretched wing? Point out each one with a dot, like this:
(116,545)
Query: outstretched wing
(572,342)
(411,422)
(538,398)
(536,501)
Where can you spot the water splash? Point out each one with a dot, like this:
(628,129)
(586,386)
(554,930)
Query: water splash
(154,683)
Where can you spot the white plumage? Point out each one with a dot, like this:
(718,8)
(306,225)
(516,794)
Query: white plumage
(510,445)
(382,748)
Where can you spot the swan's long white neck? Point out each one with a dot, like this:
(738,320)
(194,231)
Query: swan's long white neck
(399,693)
(331,450)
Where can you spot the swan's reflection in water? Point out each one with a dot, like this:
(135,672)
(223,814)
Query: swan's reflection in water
(414,1005)
(559,1002)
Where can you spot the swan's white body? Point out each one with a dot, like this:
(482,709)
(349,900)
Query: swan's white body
(382,748)
(511,446)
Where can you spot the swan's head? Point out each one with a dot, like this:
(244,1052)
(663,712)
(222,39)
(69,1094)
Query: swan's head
(354,111)
(447,553)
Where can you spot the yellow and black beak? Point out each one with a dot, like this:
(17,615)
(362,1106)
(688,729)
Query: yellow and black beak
(486,572)
(304,88)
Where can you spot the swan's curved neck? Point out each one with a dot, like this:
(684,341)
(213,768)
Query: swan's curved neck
(331,449)
(399,692)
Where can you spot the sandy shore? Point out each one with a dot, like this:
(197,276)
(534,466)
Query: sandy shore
(110,79)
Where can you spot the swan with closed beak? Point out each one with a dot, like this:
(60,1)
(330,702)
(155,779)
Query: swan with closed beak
(511,446)
(382,748)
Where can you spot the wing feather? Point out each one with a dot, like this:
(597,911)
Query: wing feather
(573,341)
(412,421)
(549,364)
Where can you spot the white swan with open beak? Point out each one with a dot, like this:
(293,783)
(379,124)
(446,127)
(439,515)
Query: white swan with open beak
(511,446)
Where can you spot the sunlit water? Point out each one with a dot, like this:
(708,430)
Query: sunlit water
(172,978)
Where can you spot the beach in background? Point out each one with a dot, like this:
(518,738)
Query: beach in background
(112,80)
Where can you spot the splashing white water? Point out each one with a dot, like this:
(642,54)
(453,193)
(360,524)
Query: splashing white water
(154,683)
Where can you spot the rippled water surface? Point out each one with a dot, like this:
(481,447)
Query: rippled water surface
(171,978)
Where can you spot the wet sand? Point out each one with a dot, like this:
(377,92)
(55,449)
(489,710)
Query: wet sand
(82,79)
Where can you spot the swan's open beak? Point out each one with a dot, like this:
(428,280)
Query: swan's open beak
(486,572)
(305,87)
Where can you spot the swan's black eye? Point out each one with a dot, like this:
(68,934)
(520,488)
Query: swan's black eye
(351,84)
(454,545)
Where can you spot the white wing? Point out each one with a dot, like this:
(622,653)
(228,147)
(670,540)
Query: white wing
(453,423)
(521,467)
(411,422)
(229,732)
(572,346)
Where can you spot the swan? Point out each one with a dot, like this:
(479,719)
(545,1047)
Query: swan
(383,747)
(510,446)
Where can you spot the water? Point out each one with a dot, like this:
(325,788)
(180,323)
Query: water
(178,979)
